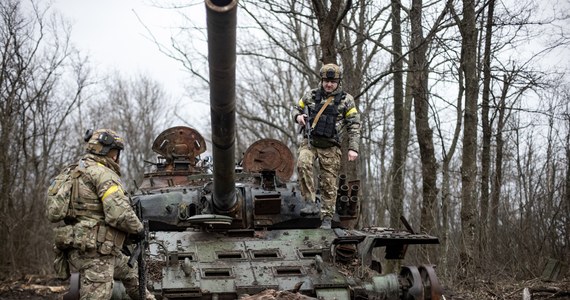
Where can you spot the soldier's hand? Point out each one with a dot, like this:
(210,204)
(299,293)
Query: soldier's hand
(301,119)
(352,155)
(137,237)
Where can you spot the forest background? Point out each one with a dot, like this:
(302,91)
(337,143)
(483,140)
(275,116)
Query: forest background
(465,109)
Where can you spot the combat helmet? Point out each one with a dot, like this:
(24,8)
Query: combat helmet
(330,71)
(101,141)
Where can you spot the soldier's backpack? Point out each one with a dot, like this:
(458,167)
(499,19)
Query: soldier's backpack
(62,193)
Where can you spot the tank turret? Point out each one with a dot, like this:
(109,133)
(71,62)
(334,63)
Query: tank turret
(218,229)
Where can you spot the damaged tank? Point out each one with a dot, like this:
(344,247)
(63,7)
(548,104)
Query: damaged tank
(220,229)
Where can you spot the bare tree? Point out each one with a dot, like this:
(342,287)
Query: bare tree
(135,109)
(328,19)
(399,155)
(565,200)
(468,29)
(34,112)
(486,126)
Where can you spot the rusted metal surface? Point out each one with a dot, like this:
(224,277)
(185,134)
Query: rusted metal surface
(269,155)
(411,275)
(179,142)
(432,289)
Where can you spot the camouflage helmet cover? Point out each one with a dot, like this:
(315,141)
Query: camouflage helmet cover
(330,71)
(101,141)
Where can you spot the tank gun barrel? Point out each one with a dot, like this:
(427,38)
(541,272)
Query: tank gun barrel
(221,20)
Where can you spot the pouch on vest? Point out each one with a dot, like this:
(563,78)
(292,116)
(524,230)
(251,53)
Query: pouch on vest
(325,127)
(85,235)
(110,240)
(105,248)
(63,237)
(61,265)
(63,189)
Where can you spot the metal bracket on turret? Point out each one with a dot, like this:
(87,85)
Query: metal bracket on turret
(209,219)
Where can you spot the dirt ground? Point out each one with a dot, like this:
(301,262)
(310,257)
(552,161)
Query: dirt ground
(35,287)
(508,289)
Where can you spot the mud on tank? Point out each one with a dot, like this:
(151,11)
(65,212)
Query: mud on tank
(222,230)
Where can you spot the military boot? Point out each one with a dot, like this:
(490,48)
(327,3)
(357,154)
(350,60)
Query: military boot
(311,208)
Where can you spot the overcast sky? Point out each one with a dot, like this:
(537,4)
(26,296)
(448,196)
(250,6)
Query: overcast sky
(115,39)
(111,34)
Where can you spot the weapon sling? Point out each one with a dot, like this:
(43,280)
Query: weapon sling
(321,112)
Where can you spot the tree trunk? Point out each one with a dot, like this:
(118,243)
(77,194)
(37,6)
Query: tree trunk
(485,123)
(328,20)
(469,161)
(566,199)
(398,162)
(419,73)
(498,176)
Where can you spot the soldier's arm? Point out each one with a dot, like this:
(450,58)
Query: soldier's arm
(300,105)
(297,110)
(117,206)
(352,122)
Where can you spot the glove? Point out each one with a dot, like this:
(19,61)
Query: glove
(138,237)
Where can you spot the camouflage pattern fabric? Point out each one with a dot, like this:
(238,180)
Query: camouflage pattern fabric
(347,122)
(104,217)
(329,165)
(100,183)
(98,271)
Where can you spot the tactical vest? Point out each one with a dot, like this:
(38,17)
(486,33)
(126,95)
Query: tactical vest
(88,203)
(86,229)
(326,125)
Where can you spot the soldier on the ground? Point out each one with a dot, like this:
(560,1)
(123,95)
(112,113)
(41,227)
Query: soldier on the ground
(329,111)
(102,219)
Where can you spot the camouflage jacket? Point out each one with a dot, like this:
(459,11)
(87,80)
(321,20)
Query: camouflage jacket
(102,197)
(347,121)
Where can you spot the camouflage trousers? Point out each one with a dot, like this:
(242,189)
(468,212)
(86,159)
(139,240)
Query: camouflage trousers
(329,166)
(98,271)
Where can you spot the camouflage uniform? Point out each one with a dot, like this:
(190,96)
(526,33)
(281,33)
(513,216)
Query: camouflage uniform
(103,218)
(99,271)
(328,151)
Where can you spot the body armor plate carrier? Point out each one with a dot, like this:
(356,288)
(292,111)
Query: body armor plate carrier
(326,124)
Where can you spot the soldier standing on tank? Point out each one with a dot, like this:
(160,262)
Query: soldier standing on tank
(329,111)
(103,219)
